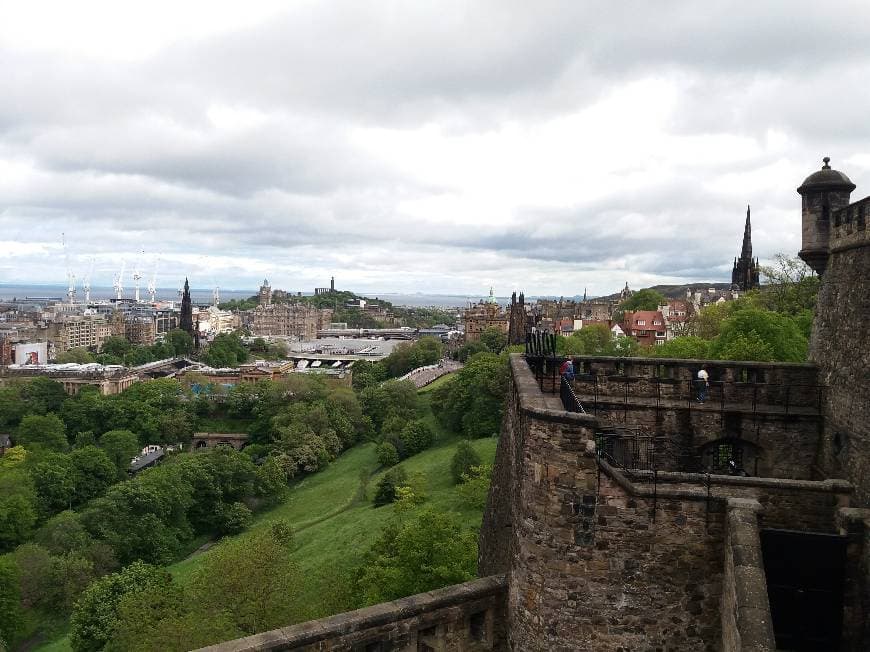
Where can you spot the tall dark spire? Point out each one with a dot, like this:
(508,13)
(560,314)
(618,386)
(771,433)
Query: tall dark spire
(744,275)
(746,250)
(185,321)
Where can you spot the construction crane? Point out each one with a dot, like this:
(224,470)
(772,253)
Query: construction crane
(118,285)
(152,284)
(86,284)
(70,278)
(137,276)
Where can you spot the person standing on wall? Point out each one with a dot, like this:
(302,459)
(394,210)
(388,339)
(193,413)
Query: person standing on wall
(703,383)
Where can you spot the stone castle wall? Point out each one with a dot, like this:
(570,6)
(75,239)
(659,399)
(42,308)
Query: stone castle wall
(599,558)
(840,345)
(588,568)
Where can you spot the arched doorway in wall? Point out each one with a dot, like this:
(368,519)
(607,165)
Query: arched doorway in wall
(731,456)
(202,443)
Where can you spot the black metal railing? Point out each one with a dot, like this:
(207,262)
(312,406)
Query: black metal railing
(569,399)
(665,392)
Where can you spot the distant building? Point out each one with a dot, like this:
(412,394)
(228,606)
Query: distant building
(646,326)
(485,314)
(289,320)
(78,331)
(331,288)
(745,273)
(265,294)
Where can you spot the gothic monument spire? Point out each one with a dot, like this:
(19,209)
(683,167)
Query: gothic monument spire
(745,273)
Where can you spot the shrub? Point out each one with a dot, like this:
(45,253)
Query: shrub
(475,485)
(385,491)
(387,454)
(416,437)
(464,458)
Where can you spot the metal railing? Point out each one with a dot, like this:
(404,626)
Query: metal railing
(569,399)
(792,399)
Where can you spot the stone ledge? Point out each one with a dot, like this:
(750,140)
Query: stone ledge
(314,631)
(532,401)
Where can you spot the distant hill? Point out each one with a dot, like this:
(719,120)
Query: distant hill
(676,291)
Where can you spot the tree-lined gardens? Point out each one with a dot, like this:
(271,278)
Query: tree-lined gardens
(80,538)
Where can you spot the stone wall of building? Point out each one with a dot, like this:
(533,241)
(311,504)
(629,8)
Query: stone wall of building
(590,565)
(840,345)
(465,617)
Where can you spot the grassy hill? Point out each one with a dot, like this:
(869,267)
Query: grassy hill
(335,524)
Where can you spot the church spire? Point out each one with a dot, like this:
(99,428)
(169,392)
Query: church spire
(745,273)
(746,250)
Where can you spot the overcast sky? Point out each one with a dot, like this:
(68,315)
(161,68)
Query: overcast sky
(420,146)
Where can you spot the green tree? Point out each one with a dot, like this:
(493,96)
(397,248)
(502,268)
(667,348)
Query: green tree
(53,482)
(463,459)
(387,454)
(256,575)
(91,472)
(12,620)
(116,345)
(593,339)
(46,432)
(164,618)
(762,334)
(271,480)
(423,553)
(469,349)
(385,490)
(646,299)
(226,350)
(472,404)
(416,437)
(689,347)
(95,616)
(475,485)
(790,286)
(78,355)
(17,508)
(180,341)
(43,395)
(494,339)
(121,446)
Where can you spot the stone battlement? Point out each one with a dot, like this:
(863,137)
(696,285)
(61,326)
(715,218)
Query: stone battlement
(849,226)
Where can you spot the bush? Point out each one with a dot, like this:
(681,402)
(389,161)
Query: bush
(475,485)
(464,458)
(385,491)
(416,437)
(387,454)
(233,518)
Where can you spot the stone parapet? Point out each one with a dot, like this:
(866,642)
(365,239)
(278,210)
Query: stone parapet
(746,620)
(461,618)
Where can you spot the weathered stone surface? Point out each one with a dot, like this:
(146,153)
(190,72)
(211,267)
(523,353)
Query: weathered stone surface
(462,618)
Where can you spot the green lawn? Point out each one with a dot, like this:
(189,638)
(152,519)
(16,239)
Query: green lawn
(335,526)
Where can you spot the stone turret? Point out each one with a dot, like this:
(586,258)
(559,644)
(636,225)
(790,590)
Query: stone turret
(822,193)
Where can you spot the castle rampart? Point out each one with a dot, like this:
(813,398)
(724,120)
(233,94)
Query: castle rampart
(605,558)
(465,617)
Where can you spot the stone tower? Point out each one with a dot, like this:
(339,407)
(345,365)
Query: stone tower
(265,294)
(822,193)
(185,321)
(745,272)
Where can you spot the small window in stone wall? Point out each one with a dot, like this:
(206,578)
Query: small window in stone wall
(620,368)
(477,626)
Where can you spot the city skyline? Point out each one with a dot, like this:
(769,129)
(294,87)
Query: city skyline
(439,147)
